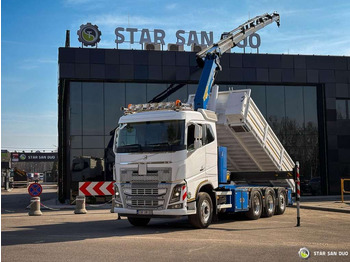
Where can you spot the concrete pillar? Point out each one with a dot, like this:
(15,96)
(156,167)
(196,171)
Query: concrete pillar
(35,207)
(80,205)
(113,204)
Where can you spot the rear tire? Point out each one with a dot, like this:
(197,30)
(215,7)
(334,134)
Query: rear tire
(270,203)
(138,221)
(256,205)
(281,204)
(204,215)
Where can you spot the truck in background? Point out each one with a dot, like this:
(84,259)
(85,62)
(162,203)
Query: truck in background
(18,178)
(214,154)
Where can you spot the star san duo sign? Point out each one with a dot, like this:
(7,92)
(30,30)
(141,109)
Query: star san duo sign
(89,35)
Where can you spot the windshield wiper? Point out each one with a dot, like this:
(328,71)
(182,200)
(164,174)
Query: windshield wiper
(136,146)
(159,144)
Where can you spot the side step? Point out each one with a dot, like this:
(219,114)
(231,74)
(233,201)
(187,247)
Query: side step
(224,206)
(223,193)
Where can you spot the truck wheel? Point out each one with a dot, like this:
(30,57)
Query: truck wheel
(138,221)
(204,215)
(281,201)
(270,203)
(256,206)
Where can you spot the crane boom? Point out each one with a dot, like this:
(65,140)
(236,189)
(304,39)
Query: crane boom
(209,58)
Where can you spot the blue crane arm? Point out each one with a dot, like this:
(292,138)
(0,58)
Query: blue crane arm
(209,58)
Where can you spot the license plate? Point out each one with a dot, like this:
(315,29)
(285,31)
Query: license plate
(145,212)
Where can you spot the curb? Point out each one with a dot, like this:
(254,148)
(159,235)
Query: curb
(325,209)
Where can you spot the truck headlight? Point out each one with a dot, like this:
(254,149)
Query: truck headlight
(176,194)
(176,206)
(117,194)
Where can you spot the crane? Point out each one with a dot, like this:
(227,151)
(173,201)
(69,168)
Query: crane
(209,58)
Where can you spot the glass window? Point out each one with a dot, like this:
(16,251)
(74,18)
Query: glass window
(87,168)
(75,109)
(259,97)
(275,108)
(310,110)
(114,99)
(154,90)
(179,94)
(97,153)
(294,121)
(208,136)
(341,107)
(191,89)
(151,136)
(76,141)
(93,141)
(135,93)
(93,113)
(190,137)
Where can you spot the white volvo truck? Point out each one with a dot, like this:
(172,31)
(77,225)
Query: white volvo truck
(215,153)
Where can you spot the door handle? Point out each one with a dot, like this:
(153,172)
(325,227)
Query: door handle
(202,168)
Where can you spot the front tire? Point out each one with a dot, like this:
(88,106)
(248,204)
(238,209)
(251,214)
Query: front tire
(138,221)
(204,215)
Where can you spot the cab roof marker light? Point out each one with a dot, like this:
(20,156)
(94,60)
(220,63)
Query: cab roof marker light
(177,105)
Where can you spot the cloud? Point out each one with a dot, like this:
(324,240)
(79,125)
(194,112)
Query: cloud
(35,63)
(115,20)
(171,6)
(78,2)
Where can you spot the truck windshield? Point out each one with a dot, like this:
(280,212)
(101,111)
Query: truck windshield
(151,136)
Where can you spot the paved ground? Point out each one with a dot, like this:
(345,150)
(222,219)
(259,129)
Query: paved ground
(99,236)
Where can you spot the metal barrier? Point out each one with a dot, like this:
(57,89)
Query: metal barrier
(342,188)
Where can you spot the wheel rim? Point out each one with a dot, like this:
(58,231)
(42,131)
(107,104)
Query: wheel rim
(282,202)
(270,204)
(205,211)
(256,205)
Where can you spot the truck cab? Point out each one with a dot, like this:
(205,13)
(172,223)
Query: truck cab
(164,157)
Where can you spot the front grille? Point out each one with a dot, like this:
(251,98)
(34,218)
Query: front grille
(145,195)
(146,203)
(144,191)
(159,175)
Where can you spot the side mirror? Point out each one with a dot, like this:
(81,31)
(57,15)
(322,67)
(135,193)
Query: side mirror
(198,132)
(197,136)
(116,132)
(197,144)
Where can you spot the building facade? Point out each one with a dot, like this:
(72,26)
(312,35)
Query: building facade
(306,100)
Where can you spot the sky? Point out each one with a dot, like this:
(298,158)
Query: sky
(33,30)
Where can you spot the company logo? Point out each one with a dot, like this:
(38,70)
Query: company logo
(22,157)
(304,253)
(89,34)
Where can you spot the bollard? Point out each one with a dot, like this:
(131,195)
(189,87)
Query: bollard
(35,207)
(80,205)
(113,205)
(297,196)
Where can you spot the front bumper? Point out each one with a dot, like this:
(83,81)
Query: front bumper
(165,212)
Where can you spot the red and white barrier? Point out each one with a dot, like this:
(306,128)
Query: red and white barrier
(104,188)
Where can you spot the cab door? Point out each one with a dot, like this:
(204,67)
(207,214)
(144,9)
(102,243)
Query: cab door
(211,157)
(196,160)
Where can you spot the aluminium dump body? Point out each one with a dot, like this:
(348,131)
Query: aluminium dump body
(251,143)
(252,146)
